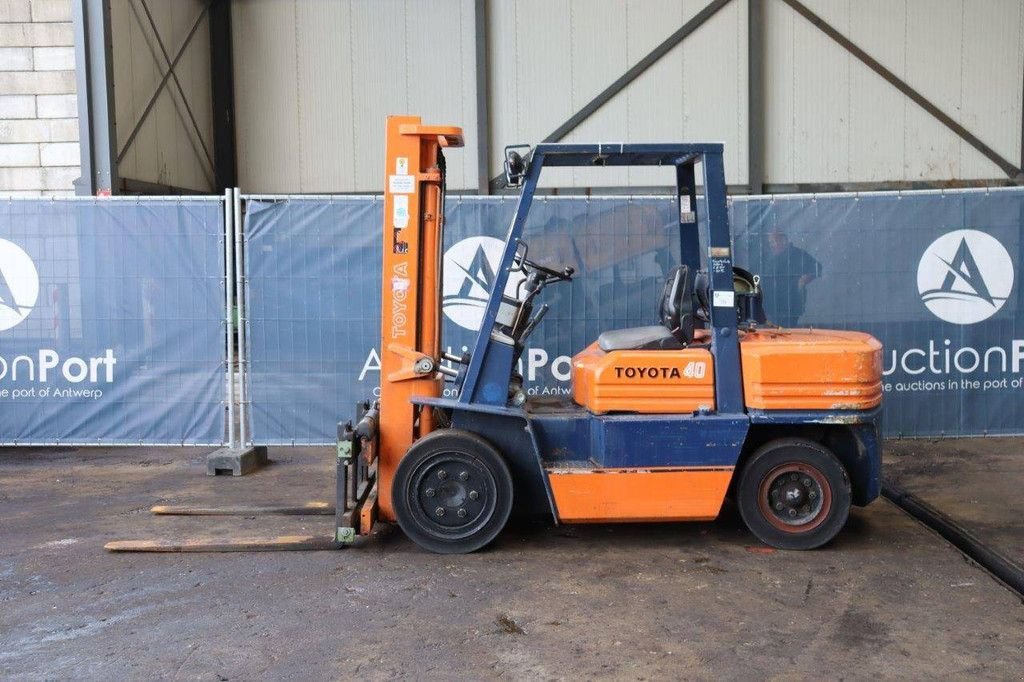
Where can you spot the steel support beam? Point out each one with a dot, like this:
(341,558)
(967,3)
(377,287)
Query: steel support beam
(163,82)
(483,128)
(95,85)
(634,72)
(162,59)
(755,95)
(222,84)
(1012,171)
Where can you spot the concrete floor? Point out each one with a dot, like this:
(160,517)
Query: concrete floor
(679,601)
(976,481)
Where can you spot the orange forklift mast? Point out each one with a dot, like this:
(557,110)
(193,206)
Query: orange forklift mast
(414,188)
(411,286)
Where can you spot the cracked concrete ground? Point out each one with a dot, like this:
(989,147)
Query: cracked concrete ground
(682,601)
(975,481)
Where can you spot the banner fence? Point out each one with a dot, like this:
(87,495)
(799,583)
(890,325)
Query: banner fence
(931,274)
(116,313)
(112,321)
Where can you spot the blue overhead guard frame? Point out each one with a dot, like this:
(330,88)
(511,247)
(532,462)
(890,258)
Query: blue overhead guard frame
(486,377)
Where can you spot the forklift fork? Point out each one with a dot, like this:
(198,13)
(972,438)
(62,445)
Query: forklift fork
(355,506)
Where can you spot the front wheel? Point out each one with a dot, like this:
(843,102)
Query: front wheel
(794,494)
(452,492)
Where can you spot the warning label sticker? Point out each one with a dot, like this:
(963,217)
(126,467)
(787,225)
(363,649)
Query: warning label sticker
(401,184)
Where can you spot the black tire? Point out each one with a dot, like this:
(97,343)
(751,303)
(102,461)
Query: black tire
(452,492)
(794,493)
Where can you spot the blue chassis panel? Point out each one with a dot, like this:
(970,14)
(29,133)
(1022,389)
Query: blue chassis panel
(533,440)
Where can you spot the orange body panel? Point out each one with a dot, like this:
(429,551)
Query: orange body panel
(610,495)
(413,220)
(811,369)
(647,381)
(783,369)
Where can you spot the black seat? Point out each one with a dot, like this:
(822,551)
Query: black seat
(675,312)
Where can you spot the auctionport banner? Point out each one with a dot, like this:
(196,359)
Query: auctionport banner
(112,321)
(932,274)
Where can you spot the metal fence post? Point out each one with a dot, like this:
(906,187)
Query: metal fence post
(242,320)
(229,337)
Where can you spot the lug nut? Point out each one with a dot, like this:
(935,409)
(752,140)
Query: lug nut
(473,494)
(429,492)
(461,513)
(793,477)
(778,506)
(442,474)
(807,482)
(464,476)
(812,494)
(439,511)
(792,512)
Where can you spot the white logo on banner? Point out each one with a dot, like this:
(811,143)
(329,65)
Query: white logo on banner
(965,276)
(469,269)
(19,285)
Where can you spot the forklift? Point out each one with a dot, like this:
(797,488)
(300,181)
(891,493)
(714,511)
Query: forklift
(664,421)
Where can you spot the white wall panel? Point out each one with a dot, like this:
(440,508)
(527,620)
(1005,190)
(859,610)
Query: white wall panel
(315,81)
(829,118)
(166,149)
(316,78)
(549,59)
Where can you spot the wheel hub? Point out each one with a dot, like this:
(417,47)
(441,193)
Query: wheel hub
(454,492)
(794,497)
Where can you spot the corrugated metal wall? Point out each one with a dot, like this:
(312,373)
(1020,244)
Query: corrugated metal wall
(831,119)
(315,79)
(166,151)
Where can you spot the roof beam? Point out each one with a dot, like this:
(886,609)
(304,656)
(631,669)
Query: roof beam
(620,83)
(1012,171)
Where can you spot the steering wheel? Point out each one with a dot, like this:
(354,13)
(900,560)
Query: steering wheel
(565,275)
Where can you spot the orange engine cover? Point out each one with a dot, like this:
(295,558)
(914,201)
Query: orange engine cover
(646,381)
(811,369)
(783,369)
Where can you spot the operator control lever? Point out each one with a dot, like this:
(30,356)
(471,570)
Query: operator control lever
(532,324)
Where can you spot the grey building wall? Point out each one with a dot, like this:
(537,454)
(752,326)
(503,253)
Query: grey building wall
(38,111)
(315,78)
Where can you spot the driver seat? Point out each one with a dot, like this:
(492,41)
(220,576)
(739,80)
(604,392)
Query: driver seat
(675,312)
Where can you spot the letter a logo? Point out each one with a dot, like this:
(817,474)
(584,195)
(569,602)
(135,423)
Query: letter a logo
(965,276)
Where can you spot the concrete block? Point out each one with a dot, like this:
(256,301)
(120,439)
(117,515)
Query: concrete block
(57,106)
(15,58)
(19,106)
(25,131)
(235,461)
(59,154)
(53,58)
(21,178)
(51,10)
(36,35)
(14,10)
(12,155)
(63,130)
(37,82)
(61,178)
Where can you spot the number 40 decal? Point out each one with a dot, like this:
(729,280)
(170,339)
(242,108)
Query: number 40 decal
(695,370)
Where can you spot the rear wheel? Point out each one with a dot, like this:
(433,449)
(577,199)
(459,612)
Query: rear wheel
(452,492)
(794,494)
